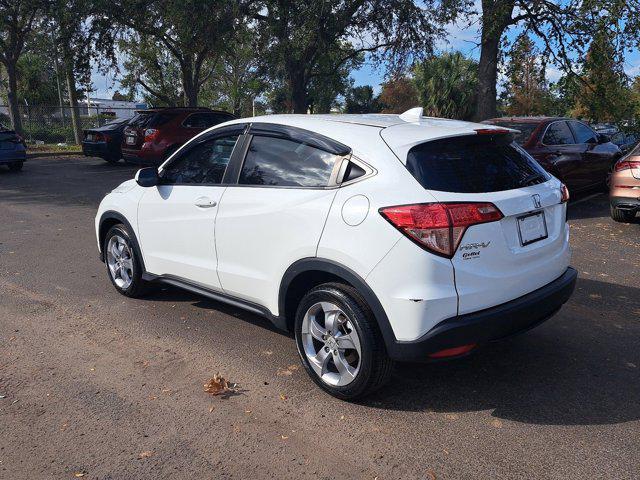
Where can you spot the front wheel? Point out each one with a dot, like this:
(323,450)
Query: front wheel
(339,342)
(123,265)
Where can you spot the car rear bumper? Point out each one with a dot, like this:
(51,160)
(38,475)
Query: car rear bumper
(12,156)
(626,203)
(97,149)
(495,323)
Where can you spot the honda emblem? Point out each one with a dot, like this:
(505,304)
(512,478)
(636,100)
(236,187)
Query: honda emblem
(536,201)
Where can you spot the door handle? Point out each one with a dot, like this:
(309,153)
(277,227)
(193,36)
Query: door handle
(204,202)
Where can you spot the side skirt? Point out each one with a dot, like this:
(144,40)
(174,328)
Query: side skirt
(278,322)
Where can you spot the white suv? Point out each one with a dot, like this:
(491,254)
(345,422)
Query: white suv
(374,238)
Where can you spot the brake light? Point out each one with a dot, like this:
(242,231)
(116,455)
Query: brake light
(491,131)
(150,134)
(564,194)
(439,227)
(626,165)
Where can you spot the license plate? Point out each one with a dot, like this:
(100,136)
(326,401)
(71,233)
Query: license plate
(531,228)
(131,140)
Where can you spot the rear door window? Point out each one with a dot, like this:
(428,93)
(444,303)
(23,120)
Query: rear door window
(558,133)
(583,133)
(281,162)
(474,164)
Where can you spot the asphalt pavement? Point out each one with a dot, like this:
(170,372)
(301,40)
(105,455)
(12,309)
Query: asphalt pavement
(96,385)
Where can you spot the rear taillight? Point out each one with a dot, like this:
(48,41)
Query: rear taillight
(626,165)
(150,134)
(439,227)
(564,194)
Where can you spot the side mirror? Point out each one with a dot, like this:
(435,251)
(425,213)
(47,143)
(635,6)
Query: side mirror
(602,138)
(147,177)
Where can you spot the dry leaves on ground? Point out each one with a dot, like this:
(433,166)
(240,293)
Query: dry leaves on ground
(145,454)
(285,372)
(219,385)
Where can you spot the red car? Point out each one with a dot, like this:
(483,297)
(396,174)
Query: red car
(567,148)
(153,135)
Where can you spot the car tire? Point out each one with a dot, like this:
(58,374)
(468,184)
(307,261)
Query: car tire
(16,166)
(622,216)
(124,267)
(111,160)
(349,359)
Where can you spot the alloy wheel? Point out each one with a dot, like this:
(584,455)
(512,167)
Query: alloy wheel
(120,261)
(331,344)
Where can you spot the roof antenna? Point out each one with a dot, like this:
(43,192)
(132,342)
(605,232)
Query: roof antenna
(412,115)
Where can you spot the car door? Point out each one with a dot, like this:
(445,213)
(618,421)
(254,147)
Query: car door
(558,153)
(176,219)
(276,213)
(597,158)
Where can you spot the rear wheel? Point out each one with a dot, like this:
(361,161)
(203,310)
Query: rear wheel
(339,343)
(16,166)
(123,265)
(622,216)
(111,159)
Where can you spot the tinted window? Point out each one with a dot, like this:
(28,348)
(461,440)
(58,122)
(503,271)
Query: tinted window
(204,163)
(151,119)
(276,161)
(473,164)
(526,130)
(583,133)
(558,133)
(205,120)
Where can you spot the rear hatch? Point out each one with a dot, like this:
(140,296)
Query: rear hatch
(142,125)
(9,140)
(503,258)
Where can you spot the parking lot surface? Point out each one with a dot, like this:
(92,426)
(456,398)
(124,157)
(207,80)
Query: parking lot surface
(97,385)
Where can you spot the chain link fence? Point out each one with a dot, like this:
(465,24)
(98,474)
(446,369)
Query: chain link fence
(52,124)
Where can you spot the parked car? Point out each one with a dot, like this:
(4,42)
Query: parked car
(153,135)
(13,150)
(567,148)
(104,142)
(624,196)
(373,238)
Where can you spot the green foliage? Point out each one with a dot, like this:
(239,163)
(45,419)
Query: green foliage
(36,80)
(361,100)
(604,94)
(447,85)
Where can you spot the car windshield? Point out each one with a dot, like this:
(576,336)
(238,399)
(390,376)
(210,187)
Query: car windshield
(474,164)
(526,129)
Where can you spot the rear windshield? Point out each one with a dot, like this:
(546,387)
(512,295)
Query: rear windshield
(474,164)
(525,129)
(151,119)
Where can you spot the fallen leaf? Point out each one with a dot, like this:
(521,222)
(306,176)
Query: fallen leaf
(283,397)
(219,385)
(432,475)
(284,437)
(496,423)
(79,474)
(145,454)
(210,409)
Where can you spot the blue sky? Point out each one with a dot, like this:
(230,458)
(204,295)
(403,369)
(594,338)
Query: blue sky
(460,37)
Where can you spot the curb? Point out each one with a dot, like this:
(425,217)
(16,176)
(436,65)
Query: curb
(52,154)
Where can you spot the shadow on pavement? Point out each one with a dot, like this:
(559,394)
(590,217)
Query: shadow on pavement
(580,368)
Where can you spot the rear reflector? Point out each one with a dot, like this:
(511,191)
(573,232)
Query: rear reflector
(439,227)
(491,131)
(564,193)
(453,352)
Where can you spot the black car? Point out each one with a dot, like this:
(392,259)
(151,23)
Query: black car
(104,142)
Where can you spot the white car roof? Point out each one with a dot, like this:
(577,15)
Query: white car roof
(364,131)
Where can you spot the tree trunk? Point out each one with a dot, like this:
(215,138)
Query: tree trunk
(73,101)
(12,98)
(496,16)
(299,100)
(487,78)
(189,88)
